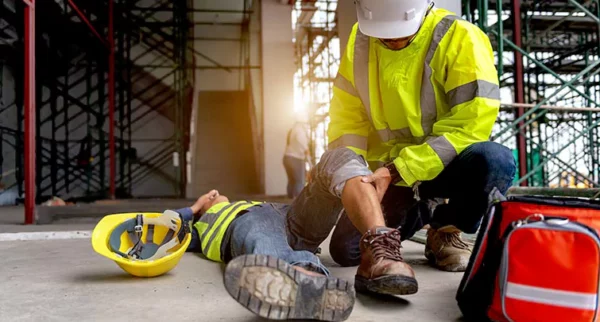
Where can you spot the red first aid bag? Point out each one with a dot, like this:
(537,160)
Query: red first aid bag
(535,259)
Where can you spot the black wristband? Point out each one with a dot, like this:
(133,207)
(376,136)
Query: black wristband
(393,172)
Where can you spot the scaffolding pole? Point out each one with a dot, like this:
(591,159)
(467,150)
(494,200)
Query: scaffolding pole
(548,58)
(111,99)
(30,112)
(519,92)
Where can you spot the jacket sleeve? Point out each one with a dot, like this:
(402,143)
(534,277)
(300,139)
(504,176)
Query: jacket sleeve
(473,96)
(349,124)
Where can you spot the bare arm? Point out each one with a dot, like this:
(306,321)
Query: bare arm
(362,205)
(206,201)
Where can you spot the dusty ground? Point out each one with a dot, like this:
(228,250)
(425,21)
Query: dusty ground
(64,280)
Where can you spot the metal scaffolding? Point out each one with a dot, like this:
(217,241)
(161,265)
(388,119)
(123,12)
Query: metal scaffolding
(160,77)
(548,64)
(90,74)
(549,114)
(317,57)
(77,105)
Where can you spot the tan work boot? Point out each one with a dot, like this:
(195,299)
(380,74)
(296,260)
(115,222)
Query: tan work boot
(382,269)
(446,250)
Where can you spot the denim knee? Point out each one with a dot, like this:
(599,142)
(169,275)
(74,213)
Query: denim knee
(338,166)
(495,162)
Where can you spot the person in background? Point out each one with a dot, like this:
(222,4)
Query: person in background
(296,155)
(8,197)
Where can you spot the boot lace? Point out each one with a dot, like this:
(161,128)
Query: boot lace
(453,239)
(386,245)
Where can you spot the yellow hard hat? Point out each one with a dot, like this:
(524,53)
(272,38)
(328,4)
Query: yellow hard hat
(143,244)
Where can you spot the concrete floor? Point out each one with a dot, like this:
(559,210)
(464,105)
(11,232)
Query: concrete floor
(12,218)
(64,280)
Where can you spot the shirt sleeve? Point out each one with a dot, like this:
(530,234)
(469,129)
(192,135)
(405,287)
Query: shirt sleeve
(187,213)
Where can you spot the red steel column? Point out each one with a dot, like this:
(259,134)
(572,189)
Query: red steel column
(519,92)
(111,98)
(29,109)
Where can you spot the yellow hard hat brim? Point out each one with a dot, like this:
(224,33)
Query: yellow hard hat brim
(100,243)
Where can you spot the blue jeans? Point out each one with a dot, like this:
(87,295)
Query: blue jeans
(262,230)
(296,172)
(467,182)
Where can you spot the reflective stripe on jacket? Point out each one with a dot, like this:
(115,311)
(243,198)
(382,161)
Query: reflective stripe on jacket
(419,106)
(213,224)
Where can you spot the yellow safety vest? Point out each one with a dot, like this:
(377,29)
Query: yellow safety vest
(213,224)
(419,106)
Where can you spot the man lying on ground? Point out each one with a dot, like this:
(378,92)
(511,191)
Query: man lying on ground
(268,275)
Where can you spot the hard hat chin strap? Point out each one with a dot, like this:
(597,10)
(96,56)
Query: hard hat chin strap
(170,240)
(136,237)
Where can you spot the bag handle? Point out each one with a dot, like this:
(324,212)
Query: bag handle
(551,220)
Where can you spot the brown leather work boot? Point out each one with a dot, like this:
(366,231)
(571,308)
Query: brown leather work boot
(446,250)
(382,269)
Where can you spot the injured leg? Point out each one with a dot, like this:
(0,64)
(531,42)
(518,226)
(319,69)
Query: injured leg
(362,205)
(382,269)
(272,288)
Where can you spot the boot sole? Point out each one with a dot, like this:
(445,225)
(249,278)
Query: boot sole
(454,268)
(390,284)
(273,289)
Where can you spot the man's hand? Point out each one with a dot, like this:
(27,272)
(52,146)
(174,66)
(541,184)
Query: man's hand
(197,206)
(381,179)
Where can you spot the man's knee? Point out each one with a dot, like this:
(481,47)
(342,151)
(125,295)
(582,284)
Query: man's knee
(494,157)
(336,167)
(495,162)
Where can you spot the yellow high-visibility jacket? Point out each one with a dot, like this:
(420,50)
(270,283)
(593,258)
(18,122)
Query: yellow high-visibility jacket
(419,106)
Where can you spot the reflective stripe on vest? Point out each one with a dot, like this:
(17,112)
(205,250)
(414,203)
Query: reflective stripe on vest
(442,147)
(212,226)
(354,140)
(344,84)
(428,104)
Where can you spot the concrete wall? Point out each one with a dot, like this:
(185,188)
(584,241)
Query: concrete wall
(224,45)
(272,85)
(224,158)
(226,53)
(278,73)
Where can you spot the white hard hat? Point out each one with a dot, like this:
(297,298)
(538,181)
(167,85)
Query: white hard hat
(390,18)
